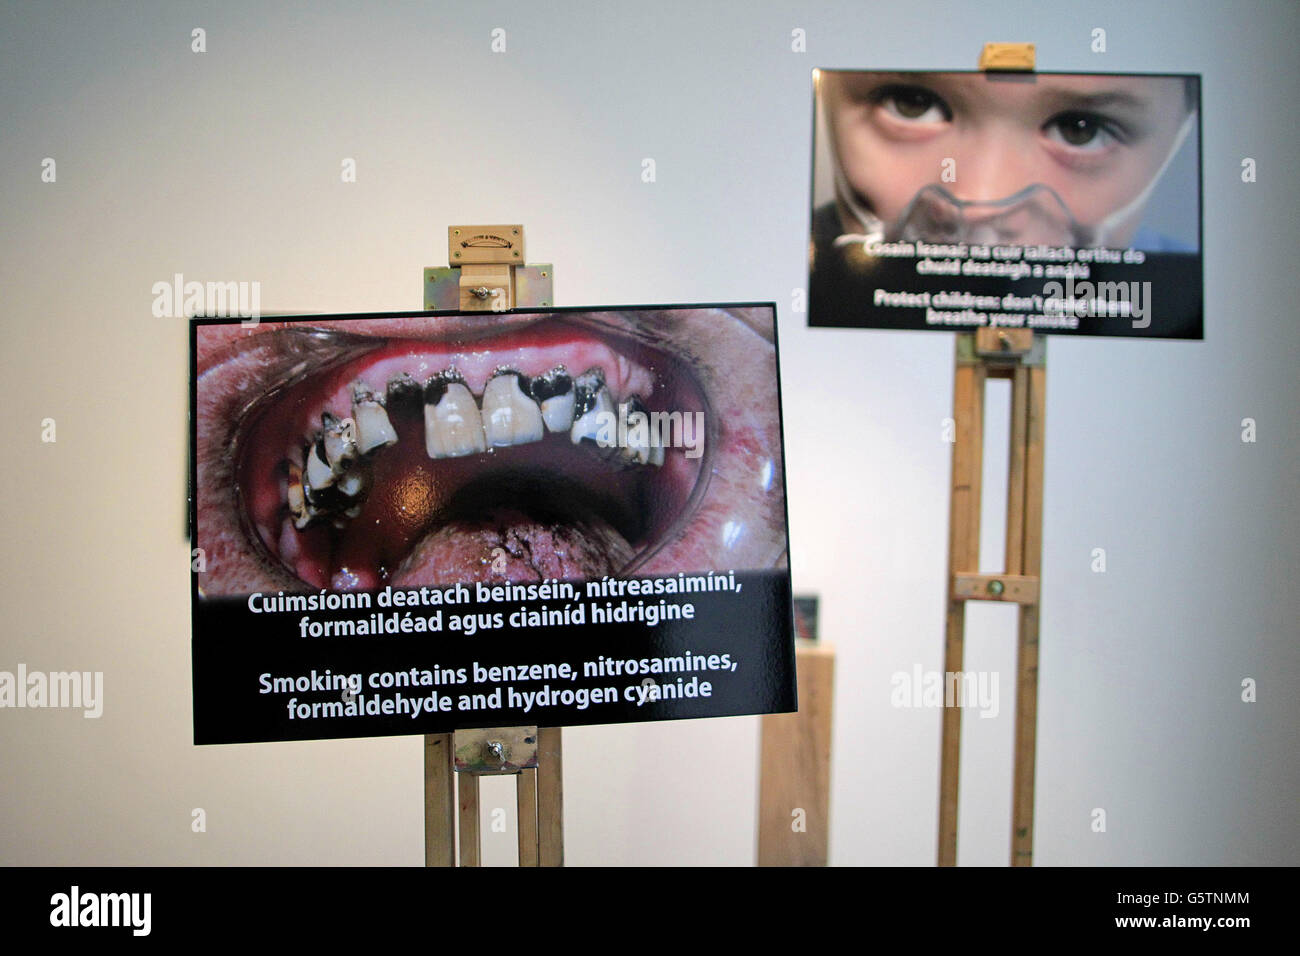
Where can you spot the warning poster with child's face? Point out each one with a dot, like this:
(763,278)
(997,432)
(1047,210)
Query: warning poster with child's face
(416,523)
(1063,203)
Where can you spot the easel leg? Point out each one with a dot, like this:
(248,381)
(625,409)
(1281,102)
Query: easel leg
(550,797)
(526,803)
(963,556)
(1022,813)
(1017,463)
(469,845)
(1030,387)
(950,760)
(439,801)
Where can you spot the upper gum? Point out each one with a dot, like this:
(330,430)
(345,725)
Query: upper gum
(623,377)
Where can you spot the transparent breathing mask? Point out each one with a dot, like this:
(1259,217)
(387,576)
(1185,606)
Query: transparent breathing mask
(1034,215)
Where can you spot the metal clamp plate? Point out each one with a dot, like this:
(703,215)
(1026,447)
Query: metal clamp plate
(495,750)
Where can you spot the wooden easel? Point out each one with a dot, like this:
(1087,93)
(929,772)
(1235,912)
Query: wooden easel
(1020,356)
(487,273)
(451,782)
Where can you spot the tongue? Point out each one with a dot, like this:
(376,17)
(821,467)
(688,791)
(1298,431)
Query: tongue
(506,544)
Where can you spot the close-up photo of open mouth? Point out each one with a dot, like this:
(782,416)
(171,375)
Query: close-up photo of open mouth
(414,450)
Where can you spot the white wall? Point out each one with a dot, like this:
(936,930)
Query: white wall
(225,165)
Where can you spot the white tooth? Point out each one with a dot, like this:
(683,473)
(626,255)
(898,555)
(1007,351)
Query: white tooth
(453,427)
(340,443)
(374,430)
(296,499)
(509,416)
(636,453)
(352,483)
(656,454)
(554,392)
(636,450)
(600,419)
(557,412)
(319,474)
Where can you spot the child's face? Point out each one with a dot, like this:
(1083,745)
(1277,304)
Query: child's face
(1098,141)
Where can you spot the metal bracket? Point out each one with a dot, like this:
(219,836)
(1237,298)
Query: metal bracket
(495,750)
(486,273)
(1002,346)
(442,288)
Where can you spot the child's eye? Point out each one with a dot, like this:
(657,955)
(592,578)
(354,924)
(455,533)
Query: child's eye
(914,104)
(1082,131)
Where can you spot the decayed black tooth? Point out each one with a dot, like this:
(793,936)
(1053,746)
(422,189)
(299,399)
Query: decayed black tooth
(406,396)
(629,454)
(592,378)
(585,388)
(329,500)
(325,501)
(555,382)
(320,450)
(627,408)
(584,400)
(328,421)
(404,393)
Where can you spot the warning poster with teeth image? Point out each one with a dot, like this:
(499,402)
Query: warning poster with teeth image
(413,523)
(1062,203)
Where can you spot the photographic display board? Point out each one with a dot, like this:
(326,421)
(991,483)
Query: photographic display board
(1062,203)
(417,522)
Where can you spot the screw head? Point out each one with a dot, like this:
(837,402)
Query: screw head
(996,588)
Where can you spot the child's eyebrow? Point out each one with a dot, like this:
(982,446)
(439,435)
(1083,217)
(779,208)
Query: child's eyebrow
(1122,99)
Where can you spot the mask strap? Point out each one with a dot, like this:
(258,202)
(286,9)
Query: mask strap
(1140,200)
(870,221)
